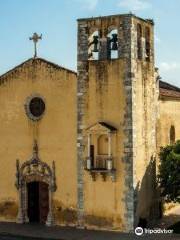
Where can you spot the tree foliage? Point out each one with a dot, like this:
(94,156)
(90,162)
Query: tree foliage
(169,172)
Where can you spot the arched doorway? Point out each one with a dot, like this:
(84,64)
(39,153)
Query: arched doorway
(36,183)
(38,201)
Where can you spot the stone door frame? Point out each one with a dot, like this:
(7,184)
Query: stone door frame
(30,171)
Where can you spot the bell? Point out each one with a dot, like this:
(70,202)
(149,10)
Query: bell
(95,48)
(114,46)
(114,42)
(95,42)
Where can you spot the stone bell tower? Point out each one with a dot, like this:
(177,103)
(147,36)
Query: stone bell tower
(116,85)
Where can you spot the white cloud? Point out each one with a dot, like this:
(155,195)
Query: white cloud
(134,5)
(169,66)
(89,4)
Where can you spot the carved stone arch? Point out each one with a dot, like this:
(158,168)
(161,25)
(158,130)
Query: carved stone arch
(112,27)
(93,29)
(30,171)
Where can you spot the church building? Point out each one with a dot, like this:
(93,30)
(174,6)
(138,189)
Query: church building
(81,149)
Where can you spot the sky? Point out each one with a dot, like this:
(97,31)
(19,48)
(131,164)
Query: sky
(56,21)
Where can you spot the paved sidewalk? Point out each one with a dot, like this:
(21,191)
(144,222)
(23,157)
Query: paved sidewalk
(13,231)
(170,218)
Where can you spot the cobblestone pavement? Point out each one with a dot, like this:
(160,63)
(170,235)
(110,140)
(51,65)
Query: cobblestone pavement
(13,231)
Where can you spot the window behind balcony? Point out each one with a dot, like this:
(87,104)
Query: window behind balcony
(92,155)
(103,145)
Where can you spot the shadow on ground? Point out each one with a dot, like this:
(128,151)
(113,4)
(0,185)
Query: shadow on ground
(13,231)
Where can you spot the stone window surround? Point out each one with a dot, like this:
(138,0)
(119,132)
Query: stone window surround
(98,129)
(109,148)
(27,108)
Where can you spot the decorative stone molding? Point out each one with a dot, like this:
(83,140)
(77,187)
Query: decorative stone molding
(27,105)
(103,173)
(34,170)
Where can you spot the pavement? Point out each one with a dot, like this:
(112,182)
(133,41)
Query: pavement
(13,231)
(170,217)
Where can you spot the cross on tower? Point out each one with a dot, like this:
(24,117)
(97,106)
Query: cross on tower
(35,38)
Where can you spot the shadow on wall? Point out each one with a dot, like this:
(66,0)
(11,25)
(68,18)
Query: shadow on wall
(148,204)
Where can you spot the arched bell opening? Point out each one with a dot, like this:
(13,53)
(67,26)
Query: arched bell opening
(35,182)
(112,44)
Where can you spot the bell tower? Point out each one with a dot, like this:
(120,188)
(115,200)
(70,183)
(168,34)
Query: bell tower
(116,85)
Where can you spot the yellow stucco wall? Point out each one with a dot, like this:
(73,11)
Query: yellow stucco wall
(145,138)
(104,202)
(169,115)
(105,101)
(144,124)
(55,132)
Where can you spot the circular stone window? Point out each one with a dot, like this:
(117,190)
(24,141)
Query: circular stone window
(35,107)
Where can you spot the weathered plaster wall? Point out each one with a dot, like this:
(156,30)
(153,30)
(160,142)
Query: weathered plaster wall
(105,82)
(8,209)
(121,92)
(105,94)
(169,111)
(144,124)
(55,132)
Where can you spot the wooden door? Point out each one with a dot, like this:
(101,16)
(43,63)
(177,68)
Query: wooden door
(33,201)
(43,201)
(92,155)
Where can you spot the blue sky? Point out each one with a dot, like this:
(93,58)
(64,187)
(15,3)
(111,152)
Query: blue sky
(56,20)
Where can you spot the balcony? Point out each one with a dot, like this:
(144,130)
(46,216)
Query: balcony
(102,165)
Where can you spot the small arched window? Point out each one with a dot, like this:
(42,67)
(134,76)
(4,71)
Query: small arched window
(112,44)
(93,46)
(103,145)
(147,44)
(139,41)
(172,135)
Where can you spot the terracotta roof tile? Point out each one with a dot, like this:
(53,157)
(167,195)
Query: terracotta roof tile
(168,90)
